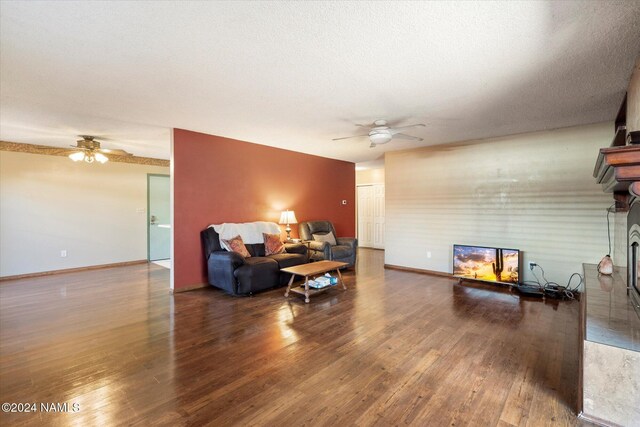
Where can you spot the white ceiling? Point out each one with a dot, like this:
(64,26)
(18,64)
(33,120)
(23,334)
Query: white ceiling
(297,74)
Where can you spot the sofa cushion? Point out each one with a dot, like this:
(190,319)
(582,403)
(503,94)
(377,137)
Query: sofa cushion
(272,244)
(288,260)
(255,249)
(296,248)
(256,274)
(237,245)
(341,251)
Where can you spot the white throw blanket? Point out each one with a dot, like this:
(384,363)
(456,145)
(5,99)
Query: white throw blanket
(251,232)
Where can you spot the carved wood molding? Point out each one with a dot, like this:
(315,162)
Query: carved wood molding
(618,169)
(622,201)
(58,151)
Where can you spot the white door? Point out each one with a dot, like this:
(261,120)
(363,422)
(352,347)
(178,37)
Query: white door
(365,216)
(378,216)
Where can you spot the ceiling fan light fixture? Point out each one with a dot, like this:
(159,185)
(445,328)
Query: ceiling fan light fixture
(380,138)
(88,157)
(90,151)
(381,133)
(77,156)
(101,158)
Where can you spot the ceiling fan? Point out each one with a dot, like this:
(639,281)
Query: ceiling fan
(381,133)
(90,151)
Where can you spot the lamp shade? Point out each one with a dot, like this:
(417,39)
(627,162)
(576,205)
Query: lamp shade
(288,217)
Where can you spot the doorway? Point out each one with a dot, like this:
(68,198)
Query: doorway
(158,219)
(371,216)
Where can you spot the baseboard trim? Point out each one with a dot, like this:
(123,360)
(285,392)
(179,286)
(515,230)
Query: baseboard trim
(189,288)
(418,270)
(72,270)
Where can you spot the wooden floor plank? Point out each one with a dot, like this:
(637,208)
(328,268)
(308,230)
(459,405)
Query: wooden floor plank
(395,348)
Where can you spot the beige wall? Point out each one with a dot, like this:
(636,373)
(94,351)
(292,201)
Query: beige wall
(49,204)
(535,192)
(633,100)
(370,176)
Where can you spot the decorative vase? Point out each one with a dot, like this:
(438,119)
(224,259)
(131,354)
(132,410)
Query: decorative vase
(606,266)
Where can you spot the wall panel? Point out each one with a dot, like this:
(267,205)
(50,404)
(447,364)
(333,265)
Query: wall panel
(96,212)
(532,191)
(220,180)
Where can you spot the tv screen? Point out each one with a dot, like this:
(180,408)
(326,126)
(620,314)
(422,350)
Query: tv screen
(500,265)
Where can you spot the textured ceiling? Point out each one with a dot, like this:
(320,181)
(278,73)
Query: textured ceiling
(297,74)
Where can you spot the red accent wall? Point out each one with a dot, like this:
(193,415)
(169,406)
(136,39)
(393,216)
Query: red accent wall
(220,180)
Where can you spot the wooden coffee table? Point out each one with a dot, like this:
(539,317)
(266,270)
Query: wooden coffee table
(313,269)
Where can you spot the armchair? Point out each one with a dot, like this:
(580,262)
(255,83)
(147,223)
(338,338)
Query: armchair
(345,250)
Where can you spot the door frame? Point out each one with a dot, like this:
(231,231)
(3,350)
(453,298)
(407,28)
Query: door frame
(149,175)
(358,209)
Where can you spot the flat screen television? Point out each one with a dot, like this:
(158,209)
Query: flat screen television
(498,265)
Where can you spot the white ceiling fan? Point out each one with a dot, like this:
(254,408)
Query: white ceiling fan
(381,133)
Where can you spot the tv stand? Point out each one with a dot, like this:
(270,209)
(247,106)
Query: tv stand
(530,290)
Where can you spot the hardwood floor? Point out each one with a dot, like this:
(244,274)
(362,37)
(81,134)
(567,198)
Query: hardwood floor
(396,348)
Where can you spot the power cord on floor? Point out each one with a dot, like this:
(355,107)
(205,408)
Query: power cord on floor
(553,289)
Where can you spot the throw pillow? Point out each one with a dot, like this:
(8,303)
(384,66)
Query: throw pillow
(272,244)
(329,237)
(237,245)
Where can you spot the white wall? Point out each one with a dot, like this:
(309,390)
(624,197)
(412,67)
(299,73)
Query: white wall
(535,192)
(49,204)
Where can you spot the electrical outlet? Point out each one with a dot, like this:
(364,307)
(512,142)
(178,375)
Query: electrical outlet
(531,265)
(428,254)
(63,253)
(140,210)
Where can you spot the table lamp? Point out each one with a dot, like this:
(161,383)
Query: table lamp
(288,217)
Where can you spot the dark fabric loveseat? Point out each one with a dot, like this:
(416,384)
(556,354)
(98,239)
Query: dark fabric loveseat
(244,276)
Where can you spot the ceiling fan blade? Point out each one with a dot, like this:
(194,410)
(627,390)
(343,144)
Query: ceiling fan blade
(347,137)
(405,136)
(395,130)
(373,145)
(367,126)
(116,152)
(376,123)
